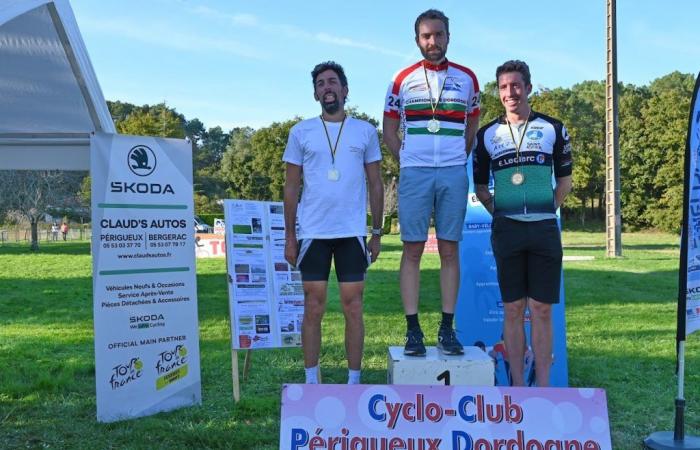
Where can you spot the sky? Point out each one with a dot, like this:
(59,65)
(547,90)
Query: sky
(234,63)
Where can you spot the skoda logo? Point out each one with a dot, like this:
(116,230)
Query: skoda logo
(540,159)
(534,134)
(141,160)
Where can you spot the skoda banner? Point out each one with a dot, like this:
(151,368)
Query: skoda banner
(144,280)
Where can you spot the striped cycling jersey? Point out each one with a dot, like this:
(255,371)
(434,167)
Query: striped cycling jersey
(409,100)
(545,149)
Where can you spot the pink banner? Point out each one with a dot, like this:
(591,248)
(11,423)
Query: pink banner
(394,417)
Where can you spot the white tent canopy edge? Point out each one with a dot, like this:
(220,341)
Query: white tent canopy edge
(50,99)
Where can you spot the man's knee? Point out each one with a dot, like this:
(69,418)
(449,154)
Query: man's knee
(540,312)
(353,311)
(448,250)
(514,311)
(352,303)
(314,304)
(413,251)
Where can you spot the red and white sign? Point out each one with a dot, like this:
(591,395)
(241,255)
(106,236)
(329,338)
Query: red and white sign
(210,245)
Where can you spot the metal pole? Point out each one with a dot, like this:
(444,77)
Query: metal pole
(613,218)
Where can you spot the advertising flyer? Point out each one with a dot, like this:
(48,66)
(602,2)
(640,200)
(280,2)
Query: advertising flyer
(144,279)
(328,416)
(266,296)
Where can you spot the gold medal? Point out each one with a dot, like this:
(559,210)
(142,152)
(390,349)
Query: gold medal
(333,174)
(433,125)
(517,178)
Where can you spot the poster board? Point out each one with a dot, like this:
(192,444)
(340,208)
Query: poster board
(144,278)
(266,296)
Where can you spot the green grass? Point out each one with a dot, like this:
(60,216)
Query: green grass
(620,327)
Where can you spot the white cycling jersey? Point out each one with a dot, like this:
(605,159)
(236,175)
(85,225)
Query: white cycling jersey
(409,99)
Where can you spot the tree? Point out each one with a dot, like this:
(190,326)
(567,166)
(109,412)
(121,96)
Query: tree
(209,182)
(635,181)
(389,165)
(32,194)
(582,110)
(491,106)
(268,170)
(158,120)
(235,163)
(665,118)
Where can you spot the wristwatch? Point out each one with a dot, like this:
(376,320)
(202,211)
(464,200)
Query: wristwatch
(377,232)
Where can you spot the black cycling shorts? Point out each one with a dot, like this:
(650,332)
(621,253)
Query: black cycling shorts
(350,256)
(528,259)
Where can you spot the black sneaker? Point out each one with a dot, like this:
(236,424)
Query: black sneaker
(448,343)
(414,343)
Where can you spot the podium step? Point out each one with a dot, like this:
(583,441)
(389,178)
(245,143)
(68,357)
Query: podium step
(473,368)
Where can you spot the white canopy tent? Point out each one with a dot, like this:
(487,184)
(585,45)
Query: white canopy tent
(50,100)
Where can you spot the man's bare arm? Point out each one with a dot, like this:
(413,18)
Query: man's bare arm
(485,197)
(376,204)
(390,130)
(472,128)
(562,189)
(292,185)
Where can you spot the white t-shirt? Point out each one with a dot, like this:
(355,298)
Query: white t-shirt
(332,209)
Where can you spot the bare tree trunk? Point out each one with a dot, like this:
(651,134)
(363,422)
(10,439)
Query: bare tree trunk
(34,246)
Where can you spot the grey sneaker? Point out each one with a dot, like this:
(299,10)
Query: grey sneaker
(414,343)
(448,343)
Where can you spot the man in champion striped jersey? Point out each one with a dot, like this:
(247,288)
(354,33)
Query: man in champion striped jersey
(431,115)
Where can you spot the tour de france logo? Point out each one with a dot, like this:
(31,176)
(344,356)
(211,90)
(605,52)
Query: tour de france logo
(141,160)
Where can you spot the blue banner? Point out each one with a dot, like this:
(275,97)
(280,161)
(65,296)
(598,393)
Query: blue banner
(689,271)
(479,314)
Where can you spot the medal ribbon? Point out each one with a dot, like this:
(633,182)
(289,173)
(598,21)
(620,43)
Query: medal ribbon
(328,136)
(522,136)
(434,106)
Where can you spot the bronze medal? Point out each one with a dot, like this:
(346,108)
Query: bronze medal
(517,178)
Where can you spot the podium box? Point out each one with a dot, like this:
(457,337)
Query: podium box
(473,368)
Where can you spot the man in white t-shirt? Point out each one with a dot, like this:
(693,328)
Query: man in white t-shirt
(336,155)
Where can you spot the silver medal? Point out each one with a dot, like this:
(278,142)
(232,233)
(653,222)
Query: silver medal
(333,174)
(433,125)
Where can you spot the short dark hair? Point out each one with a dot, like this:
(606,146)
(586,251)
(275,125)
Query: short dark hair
(432,14)
(329,65)
(514,65)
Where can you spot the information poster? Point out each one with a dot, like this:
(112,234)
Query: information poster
(144,280)
(327,416)
(266,296)
(479,312)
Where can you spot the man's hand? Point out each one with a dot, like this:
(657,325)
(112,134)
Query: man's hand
(291,250)
(374,246)
(391,136)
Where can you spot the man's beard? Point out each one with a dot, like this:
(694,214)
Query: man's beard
(331,107)
(433,58)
